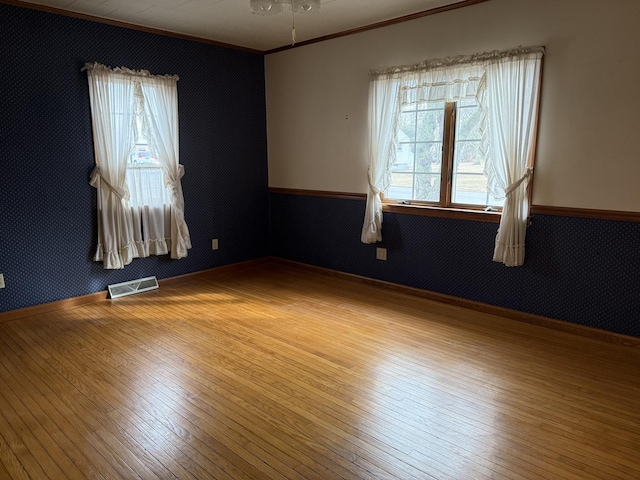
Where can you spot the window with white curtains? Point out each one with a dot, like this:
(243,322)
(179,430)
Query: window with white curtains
(457,132)
(438,157)
(137,174)
(144,176)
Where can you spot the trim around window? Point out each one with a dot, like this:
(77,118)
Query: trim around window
(447,173)
(443,212)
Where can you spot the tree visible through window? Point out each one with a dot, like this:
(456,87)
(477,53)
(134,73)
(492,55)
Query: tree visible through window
(438,158)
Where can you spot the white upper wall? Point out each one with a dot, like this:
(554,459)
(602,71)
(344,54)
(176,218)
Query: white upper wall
(588,153)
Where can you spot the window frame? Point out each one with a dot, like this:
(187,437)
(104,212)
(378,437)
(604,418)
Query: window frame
(445,207)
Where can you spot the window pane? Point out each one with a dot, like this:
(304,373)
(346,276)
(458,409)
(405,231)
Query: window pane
(146,187)
(401,187)
(407,127)
(144,176)
(468,154)
(429,157)
(430,125)
(469,184)
(141,155)
(468,123)
(427,187)
(404,158)
(416,172)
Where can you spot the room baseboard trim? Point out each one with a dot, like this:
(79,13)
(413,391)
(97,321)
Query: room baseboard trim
(616,215)
(53,306)
(103,295)
(560,325)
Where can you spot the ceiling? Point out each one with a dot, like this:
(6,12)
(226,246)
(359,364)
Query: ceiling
(230,22)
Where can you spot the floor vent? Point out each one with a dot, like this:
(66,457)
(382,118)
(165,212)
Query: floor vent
(134,286)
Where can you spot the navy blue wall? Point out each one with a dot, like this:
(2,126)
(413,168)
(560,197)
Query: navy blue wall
(47,208)
(584,271)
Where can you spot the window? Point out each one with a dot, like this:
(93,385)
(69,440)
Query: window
(145,177)
(456,132)
(137,175)
(438,158)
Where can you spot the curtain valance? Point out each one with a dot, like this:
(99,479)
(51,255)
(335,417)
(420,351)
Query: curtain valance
(446,63)
(98,67)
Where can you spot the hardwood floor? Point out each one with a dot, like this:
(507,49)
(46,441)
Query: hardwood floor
(274,372)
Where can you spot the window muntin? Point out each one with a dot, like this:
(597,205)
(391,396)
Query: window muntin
(433,169)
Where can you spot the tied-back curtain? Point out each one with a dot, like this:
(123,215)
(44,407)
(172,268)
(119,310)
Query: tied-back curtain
(383,103)
(160,124)
(506,87)
(390,90)
(135,217)
(111,95)
(512,100)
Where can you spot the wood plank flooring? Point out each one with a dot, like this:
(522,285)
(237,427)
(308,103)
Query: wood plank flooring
(274,372)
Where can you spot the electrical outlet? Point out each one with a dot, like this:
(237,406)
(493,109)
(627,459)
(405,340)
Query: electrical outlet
(1,280)
(214,244)
(381,253)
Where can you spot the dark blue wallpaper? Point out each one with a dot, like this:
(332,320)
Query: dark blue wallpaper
(584,271)
(47,208)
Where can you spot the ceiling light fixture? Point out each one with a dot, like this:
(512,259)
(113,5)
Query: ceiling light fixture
(271,7)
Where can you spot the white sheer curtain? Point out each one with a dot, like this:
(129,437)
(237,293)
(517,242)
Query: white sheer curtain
(506,87)
(450,79)
(111,96)
(160,97)
(513,83)
(141,209)
(383,103)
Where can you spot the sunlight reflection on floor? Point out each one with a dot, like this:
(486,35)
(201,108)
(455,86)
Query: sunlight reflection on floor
(429,416)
